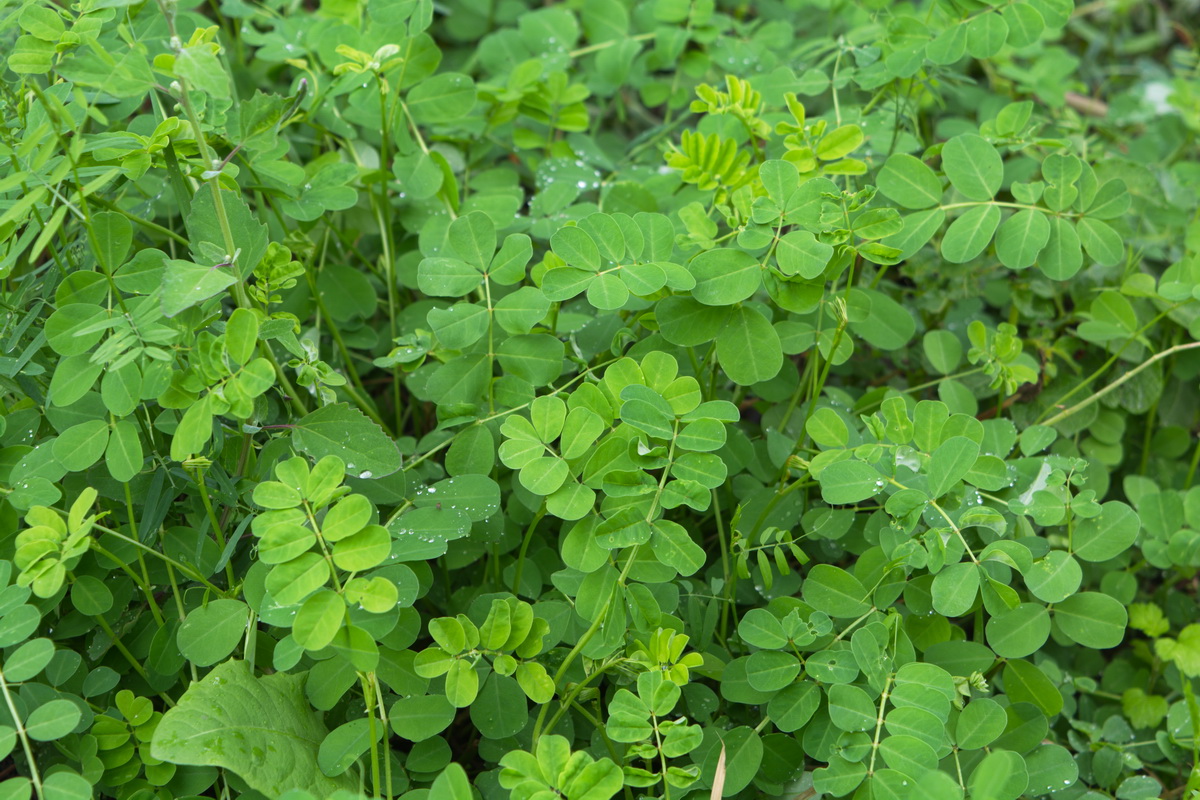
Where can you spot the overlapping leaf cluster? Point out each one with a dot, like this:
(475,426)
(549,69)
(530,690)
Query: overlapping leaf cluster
(673,399)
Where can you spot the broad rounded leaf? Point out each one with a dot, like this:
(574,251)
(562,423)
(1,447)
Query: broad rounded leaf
(263,729)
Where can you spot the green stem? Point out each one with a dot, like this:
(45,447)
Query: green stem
(375,782)
(576,690)
(883,698)
(120,645)
(583,51)
(583,640)
(198,477)
(387,747)
(186,570)
(1170,351)
(1111,359)
(516,586)
(34,777)
(608,745)
(144,583)
(1191,473)
(139,221)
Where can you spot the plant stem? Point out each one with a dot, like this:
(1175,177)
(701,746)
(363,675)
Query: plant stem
(516,586)
(34,776)
(1179,348)
(198,477)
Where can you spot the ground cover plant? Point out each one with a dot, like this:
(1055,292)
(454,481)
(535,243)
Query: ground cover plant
(604,399)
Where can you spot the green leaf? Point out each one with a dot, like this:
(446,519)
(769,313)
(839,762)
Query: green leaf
(574,246)
(520,311)
(42,22)
(193,432)
(1100,241)
(1025,683)
(950,463)
(18,623)
(948,46)
(919,228)
(725,276)
(793,707)
(909,181)
(473,237)
(81,445)
(211,632)
(943,349)
(851,709)
(72,329)
(1021,238)
(1106,535)
(986,35)
(345,432)
(91,596)
(447,277)
(262,729)
(827,428)
(427,532)
(702,435)
(206,231)
(186,284)
(346,292)
(1020,631)
(500,709)
(112,236)
(462,684)
(1025,25)
(1001,775)
(748,347)
(1092,619)
(452,784)
(1055,577)
(1062,256)
(836,592)
(771,670)
(839,142)
(203,71)
(443,98)
(318,620)
(52,720)
(969,235)
(419,718)
(1143,710)
(743,757)
(973,166)
(848,482)
(607,292)
(881,321)
(955,589)
(761,628)
(344,745)
(674,546)
(66,785)
(363,550)
(31,56)
(73,378)
(295,580)
(799,253)
(121,389)
(979,724)
(28,660)
(536,357)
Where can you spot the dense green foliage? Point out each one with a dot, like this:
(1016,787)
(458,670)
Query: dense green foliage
(669,399)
